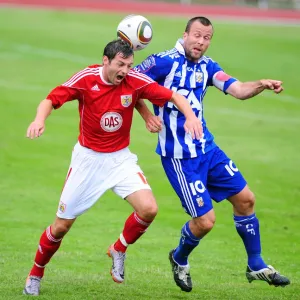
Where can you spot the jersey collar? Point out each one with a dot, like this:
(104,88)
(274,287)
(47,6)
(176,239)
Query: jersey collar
(179,46)
(101,76)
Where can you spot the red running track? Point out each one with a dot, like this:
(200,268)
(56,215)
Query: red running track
(163,8)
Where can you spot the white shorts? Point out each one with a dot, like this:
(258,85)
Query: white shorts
(92,173)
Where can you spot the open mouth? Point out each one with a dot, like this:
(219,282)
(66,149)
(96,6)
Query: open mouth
(119,77)
(197,50)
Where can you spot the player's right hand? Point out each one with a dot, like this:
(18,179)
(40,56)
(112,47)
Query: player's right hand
(270,84)
(35,129)
(154,124)
(193,127)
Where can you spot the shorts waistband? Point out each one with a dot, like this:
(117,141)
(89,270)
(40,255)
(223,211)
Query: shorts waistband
(83,149)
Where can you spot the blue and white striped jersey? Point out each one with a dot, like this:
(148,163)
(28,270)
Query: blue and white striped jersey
(172,70)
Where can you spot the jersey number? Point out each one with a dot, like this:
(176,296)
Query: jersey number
(197,187)
(231,169)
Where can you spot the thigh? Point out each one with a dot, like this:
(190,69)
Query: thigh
(188,179)
(142,201)
(84,183)
(130,178)
(224,178)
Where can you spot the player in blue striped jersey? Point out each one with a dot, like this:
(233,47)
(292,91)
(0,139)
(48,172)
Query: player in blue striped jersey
(199,170)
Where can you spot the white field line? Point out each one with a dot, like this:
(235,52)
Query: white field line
(55,54)
(282,97)
(5,84)
(256,116)
(78,59)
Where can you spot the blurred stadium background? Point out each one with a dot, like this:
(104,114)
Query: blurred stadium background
(263,4)
(42,43)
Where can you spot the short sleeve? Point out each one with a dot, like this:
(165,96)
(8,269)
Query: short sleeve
(213,68)
(63,94)
(155,93)
(71,89)
(155,66)
(219,78)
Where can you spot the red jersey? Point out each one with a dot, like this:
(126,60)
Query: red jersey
(106,110)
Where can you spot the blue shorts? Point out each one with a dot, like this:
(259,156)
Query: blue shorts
(198,180)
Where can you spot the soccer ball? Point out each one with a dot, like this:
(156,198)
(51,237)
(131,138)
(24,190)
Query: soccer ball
(136,30)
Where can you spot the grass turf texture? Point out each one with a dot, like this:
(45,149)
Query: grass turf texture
(41,49)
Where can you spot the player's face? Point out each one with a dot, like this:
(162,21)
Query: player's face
(197,40)
(114,71)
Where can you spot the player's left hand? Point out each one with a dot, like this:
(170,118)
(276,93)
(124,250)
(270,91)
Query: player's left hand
(154,124)
(275,85)
(193,127)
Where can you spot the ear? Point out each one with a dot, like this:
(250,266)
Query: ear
(105,60)
(185,34)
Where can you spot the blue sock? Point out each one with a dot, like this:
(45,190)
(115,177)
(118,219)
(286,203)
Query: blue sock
(186,245)
(248,229)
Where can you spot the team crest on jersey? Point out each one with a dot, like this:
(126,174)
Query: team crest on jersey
(199,77)
(200,201)
(111,121)
(62,207)
(126,100)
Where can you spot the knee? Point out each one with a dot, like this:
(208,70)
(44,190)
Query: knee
(204,224)
(248,202)
(59,229)
(149,211)
(251,200)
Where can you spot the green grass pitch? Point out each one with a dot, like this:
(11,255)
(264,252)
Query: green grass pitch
(40,49)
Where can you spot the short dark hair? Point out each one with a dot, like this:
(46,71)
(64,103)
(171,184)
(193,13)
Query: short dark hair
(204,21)
(117,46)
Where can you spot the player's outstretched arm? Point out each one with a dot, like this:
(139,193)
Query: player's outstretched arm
(37,127)
(192,124)
(153,123)
(246,90)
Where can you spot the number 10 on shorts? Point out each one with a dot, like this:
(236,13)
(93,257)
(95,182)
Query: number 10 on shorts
(231,169)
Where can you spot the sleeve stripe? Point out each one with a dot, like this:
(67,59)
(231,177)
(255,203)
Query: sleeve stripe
(74,77)
(141,78)
(144,85)
(70,83)
(141,75)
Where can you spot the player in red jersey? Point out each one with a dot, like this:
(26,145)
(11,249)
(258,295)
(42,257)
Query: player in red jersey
(101,160)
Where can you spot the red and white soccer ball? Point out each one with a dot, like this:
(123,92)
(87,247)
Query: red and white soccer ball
(136,30)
